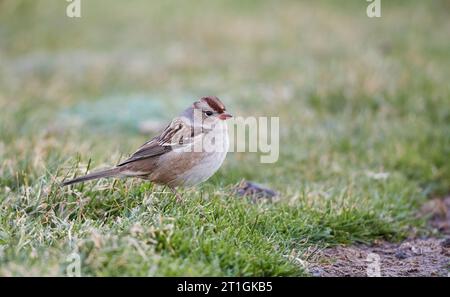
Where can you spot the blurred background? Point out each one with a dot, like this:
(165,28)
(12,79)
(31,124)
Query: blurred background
(364,103)
(352,92)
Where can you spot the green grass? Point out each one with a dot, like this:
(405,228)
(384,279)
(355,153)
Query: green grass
(355,96)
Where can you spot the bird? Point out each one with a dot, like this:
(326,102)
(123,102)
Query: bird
(187,152)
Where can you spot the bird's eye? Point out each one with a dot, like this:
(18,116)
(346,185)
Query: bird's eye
(208,113)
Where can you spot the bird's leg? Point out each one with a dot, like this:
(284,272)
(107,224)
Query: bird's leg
(179,198)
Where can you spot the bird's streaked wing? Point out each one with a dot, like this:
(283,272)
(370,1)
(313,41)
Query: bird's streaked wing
(177,134)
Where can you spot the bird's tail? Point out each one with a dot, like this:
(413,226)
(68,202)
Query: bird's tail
(100,174)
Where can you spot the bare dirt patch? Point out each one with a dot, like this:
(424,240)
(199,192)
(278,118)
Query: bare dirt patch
(429,257)
(413,257)
(438,211)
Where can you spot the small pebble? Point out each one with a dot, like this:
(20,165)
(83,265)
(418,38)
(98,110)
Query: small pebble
(446,243)
(317,272)
(254,190)
(401,255)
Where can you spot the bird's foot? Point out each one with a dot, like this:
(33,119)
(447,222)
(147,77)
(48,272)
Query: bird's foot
(179,197)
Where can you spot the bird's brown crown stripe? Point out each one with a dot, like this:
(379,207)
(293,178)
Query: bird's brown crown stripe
(214,103)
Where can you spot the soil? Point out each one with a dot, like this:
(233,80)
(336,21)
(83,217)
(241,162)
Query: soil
(427,257)
(413,257)
(439,212)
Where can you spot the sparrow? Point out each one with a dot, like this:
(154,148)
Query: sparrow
(187,152)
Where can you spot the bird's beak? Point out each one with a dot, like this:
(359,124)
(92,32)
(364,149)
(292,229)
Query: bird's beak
(225,116)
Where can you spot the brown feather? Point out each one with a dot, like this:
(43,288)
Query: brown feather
(214,103)
(95,175)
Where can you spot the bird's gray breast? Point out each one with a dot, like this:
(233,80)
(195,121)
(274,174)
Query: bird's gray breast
(209,160)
